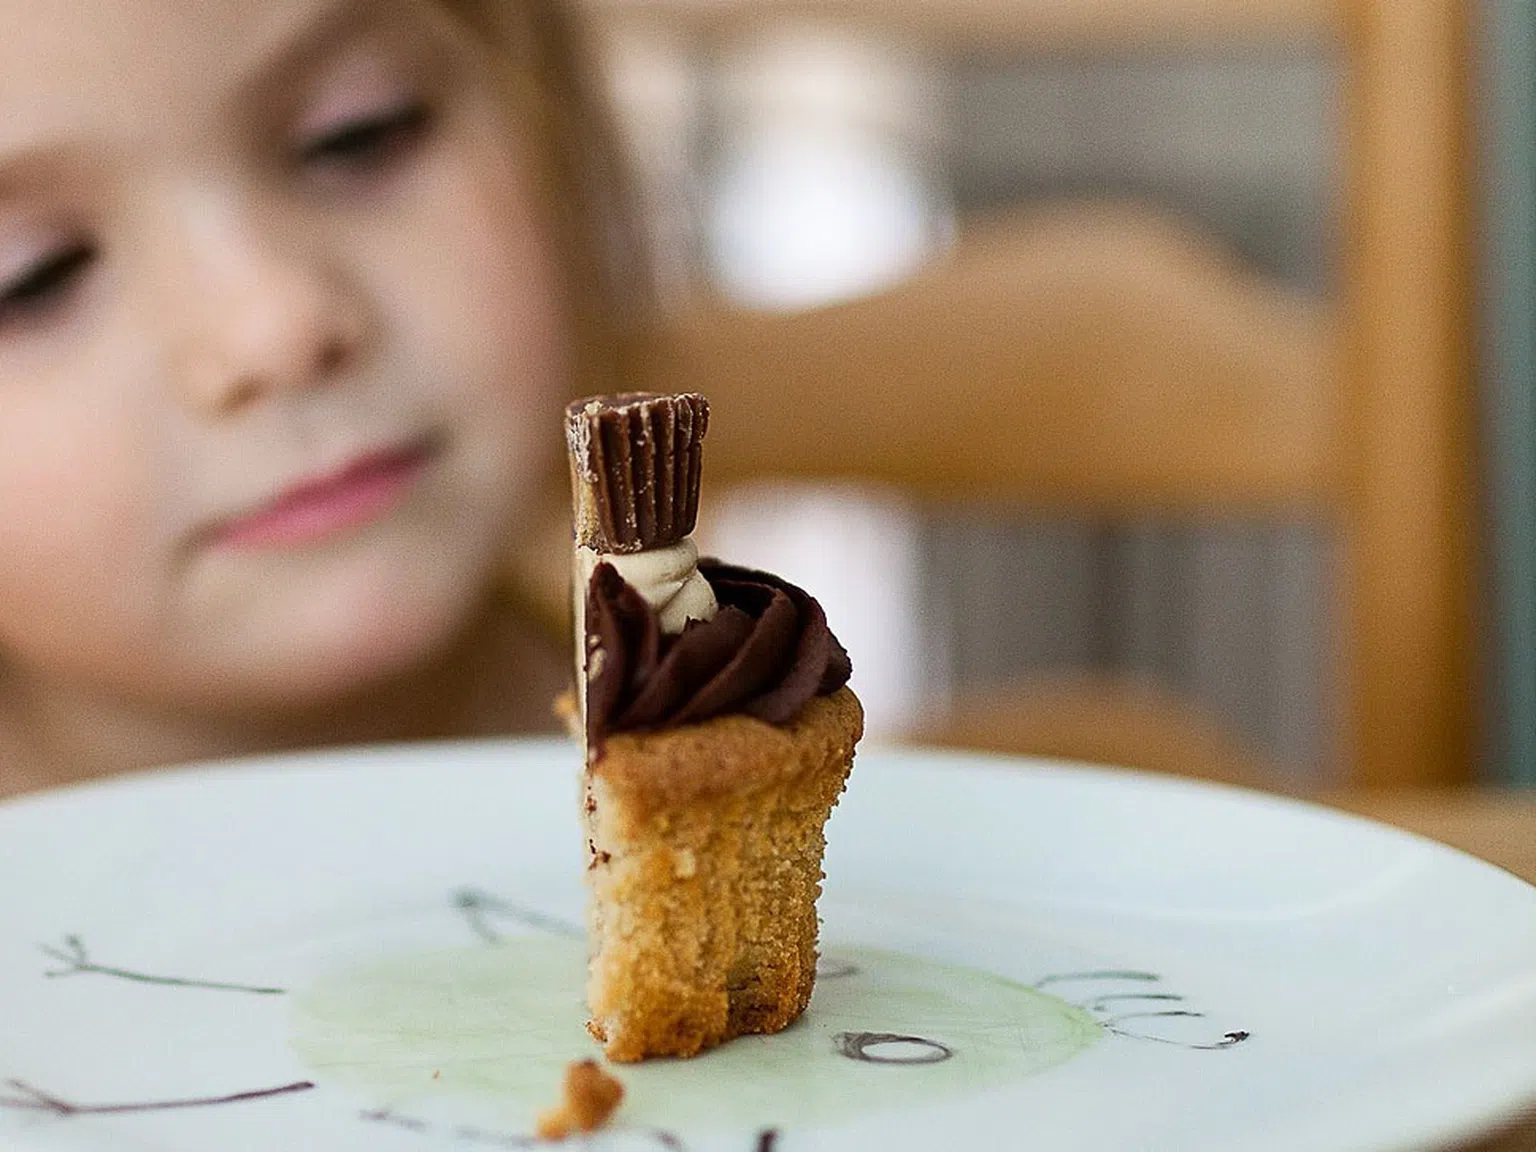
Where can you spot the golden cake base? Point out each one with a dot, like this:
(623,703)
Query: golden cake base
(705,848)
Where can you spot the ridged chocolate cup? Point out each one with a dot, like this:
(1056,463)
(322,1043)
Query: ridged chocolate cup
(636,461)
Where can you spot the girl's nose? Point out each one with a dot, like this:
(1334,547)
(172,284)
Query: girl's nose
(272,315)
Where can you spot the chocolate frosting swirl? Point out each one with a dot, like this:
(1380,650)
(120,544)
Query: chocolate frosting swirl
(765,654)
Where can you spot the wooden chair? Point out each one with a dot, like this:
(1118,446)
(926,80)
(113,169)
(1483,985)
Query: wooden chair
(1110,360)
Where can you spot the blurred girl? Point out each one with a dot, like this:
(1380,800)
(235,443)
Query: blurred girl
(290,295)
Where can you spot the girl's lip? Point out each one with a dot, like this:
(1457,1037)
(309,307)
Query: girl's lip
(361,492)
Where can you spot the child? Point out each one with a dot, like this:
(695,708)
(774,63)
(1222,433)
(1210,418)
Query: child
(290,296)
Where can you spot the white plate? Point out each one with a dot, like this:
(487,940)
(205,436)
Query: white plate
(1077,959)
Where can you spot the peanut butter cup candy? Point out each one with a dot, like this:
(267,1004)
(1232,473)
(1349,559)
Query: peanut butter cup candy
(636,461)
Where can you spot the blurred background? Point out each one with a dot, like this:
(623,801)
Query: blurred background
(1336,196)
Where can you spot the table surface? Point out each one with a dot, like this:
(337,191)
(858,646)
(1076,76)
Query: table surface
(1499,827)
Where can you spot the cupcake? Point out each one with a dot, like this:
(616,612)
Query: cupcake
(719,732)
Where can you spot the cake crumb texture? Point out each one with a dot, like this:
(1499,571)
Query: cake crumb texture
(705,848)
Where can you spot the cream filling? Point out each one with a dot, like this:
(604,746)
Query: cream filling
(668,578)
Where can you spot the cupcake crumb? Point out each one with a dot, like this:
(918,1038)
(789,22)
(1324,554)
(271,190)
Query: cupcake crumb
(590,1097)
(684,864)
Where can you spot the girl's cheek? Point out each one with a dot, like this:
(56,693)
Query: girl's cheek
(67,483)
(484,279)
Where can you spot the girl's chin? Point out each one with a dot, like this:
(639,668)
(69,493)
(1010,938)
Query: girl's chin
(346,655)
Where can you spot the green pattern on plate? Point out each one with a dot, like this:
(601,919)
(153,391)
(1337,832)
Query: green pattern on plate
(504,1020)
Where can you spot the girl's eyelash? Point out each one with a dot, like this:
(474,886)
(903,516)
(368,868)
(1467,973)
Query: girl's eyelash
(369,139)
(46,282)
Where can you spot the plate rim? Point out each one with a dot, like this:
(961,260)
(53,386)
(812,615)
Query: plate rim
(337,758)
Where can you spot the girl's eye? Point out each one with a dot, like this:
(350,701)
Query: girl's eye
(47,282)
(369,141)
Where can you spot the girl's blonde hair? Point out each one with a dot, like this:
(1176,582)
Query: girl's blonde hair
(555,91)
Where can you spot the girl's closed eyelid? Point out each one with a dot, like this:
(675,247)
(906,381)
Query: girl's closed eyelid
(354,84)
(44,281)
(348,97)
(364,103)
(360,111)
(369,135)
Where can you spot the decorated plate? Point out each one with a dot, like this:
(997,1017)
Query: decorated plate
(380,949)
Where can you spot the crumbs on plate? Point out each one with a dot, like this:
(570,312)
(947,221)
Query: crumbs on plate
(590,1097)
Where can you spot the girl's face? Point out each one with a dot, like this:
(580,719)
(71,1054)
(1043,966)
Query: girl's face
(278,342)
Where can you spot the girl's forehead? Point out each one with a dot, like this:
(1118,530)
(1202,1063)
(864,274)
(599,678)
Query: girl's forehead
(98,67)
